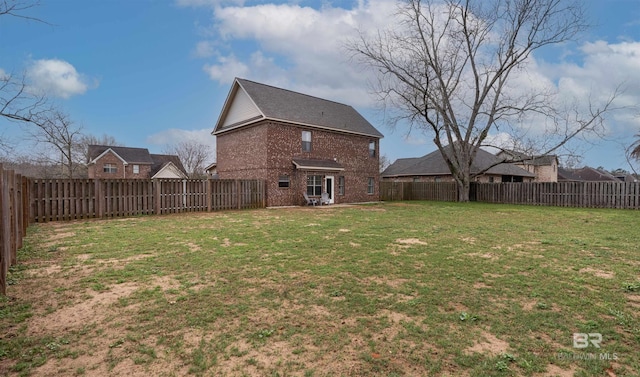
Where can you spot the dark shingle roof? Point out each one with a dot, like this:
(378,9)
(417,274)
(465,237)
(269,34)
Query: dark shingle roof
(566,175)
(539,160)
(281,104)
(160,160)
(312,164)
(434,164)
(130,155)
(590,174)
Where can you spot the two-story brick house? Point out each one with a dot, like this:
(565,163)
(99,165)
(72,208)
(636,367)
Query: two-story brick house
(111,162)
(298,144)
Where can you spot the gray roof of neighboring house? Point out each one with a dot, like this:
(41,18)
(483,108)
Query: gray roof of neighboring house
(161,160)
(286,105)
(590,174)
(567,175)
(130,155)
(539,160)
(434,164)
(140,156)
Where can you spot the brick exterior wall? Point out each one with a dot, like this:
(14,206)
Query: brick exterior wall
(96,171)
(544,173)
(266,150)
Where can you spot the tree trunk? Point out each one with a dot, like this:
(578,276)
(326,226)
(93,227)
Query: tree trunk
(463,180)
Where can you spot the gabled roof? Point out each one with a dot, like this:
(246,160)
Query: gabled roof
(162,161)
(538,160)
(128,155)
(249,102)
(434,164)
(590,174)
(566,175)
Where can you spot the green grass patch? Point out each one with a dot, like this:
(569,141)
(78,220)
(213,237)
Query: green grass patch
(391,289)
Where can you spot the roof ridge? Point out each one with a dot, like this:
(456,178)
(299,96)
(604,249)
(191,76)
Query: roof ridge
(294,92)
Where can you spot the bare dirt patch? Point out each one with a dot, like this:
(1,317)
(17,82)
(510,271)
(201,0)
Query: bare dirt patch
(488,344)
(597,273)
(410,241)
(85,312)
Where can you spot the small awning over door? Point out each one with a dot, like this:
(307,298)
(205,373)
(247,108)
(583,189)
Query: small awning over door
(315,164)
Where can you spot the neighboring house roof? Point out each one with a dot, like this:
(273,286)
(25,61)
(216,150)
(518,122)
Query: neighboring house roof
(163,163)
(590,174)
(249,102)
(567,175)
(518,157)
(434,164)
(128,155)
(140,156)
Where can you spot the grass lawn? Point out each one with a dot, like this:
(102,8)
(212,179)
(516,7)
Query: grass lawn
(390,289)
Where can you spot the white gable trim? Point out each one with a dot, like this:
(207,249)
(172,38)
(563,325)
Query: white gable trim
(95,160)
(238,109)
(169,170)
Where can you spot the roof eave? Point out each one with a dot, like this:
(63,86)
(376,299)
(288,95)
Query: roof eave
(263,118)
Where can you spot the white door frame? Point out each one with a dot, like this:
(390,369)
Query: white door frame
(329,187)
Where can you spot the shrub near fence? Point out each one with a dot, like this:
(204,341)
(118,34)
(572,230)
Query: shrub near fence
(70,199)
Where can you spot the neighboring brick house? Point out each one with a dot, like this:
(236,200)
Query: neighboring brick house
(545,167)
(433,168)
(109,162)
(298,144)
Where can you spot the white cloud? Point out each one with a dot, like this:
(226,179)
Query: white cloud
(227,68)
(57,78)
(300,48)
(204,49)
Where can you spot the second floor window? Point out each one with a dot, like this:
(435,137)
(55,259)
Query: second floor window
(306,141)
(372,149)
(110,168)
(136,169)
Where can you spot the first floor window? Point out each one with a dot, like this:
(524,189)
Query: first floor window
(314,185)
(136,169)
(283,181)
(110,168)
(341,185)
(370,185)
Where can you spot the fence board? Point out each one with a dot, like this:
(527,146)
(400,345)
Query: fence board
(55,200)
(619,195)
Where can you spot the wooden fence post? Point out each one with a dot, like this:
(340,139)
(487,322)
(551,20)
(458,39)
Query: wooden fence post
(238,198)
(4,244)
(157,192)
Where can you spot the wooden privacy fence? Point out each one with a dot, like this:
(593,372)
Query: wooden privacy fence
(13,220)
(70,199)
(623,195)
(439,191)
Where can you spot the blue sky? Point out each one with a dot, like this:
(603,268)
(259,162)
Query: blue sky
(151,73)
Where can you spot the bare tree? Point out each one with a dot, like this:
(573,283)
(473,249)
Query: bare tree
(449,68)
(58,132)
(17,9)
(194,156)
